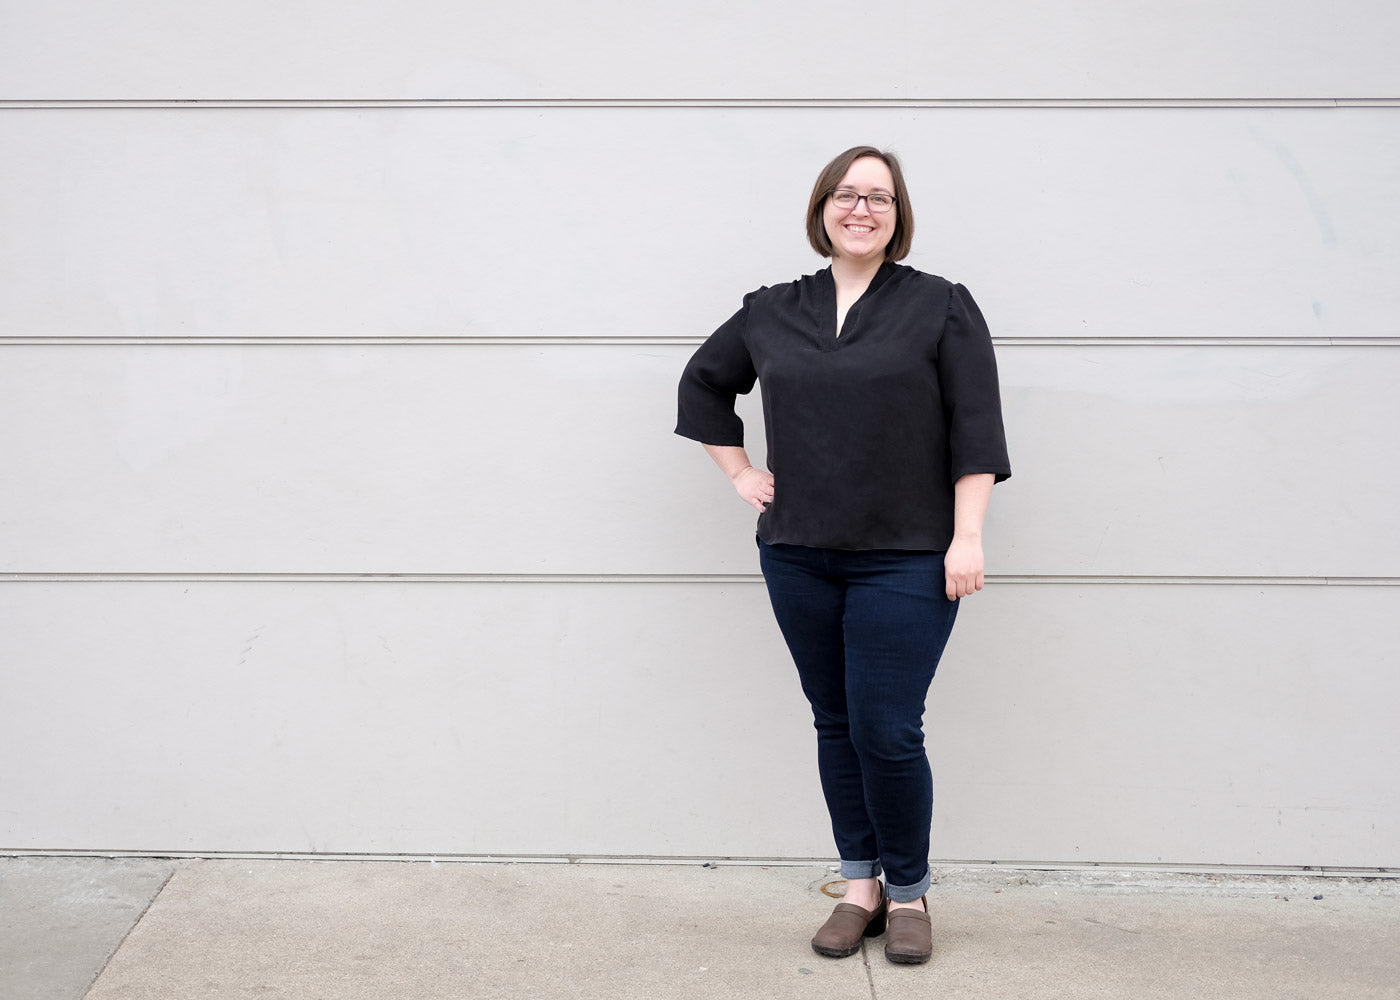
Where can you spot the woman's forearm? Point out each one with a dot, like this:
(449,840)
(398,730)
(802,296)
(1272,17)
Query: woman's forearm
(971,496)
(731,459)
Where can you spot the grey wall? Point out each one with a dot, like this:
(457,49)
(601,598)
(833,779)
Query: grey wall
(340,507)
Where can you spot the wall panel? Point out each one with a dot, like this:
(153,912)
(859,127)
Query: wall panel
(1140,724)
(78,49)
(625,222)
(1156,461)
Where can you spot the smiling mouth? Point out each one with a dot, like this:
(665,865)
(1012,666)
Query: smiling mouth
(861,229)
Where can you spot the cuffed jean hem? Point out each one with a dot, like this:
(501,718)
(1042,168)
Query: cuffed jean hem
(860,869)
(909,893)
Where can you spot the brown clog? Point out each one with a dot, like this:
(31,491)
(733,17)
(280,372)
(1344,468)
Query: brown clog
(840,935)
(909,939)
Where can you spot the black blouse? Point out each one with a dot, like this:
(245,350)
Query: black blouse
(867,432)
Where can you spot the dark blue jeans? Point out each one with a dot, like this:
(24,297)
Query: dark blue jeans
(866,630)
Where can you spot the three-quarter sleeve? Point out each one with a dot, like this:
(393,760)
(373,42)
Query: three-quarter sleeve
(718,372)
(967,375)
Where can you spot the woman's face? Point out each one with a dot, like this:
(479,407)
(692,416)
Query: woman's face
(857,233)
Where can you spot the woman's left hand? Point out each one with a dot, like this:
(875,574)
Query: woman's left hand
(962,567)
(962,563)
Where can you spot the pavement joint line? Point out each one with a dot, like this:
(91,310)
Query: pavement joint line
(869,973)
(139,917)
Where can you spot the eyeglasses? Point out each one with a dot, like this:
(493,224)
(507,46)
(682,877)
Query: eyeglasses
(876,202)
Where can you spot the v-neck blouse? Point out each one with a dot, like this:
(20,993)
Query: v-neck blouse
(866,432)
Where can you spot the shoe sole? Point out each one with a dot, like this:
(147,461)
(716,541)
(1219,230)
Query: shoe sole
(901,959)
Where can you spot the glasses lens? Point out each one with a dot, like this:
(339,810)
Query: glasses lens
(880,202)
(844,199)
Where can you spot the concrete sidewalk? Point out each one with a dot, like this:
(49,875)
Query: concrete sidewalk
(123,929)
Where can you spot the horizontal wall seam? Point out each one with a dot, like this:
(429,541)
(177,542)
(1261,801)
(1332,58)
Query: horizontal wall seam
(681,103)
(673,578)
(940,866)
(650,340)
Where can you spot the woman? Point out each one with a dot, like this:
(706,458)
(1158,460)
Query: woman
(883,420)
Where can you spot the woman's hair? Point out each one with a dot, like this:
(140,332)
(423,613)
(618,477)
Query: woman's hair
(831,175)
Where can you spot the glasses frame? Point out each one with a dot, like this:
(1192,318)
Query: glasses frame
(866,198)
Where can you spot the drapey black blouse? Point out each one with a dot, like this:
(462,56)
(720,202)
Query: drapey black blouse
(867,432)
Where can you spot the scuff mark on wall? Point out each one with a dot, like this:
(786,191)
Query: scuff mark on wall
(1316,206)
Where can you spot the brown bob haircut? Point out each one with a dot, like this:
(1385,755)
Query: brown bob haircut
(830,177)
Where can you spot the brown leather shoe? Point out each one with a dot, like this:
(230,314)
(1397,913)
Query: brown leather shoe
(909,940)
(840,935)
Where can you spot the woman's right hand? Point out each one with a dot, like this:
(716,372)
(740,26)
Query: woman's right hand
(754,486)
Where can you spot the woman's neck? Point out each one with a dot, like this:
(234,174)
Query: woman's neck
(854,275)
